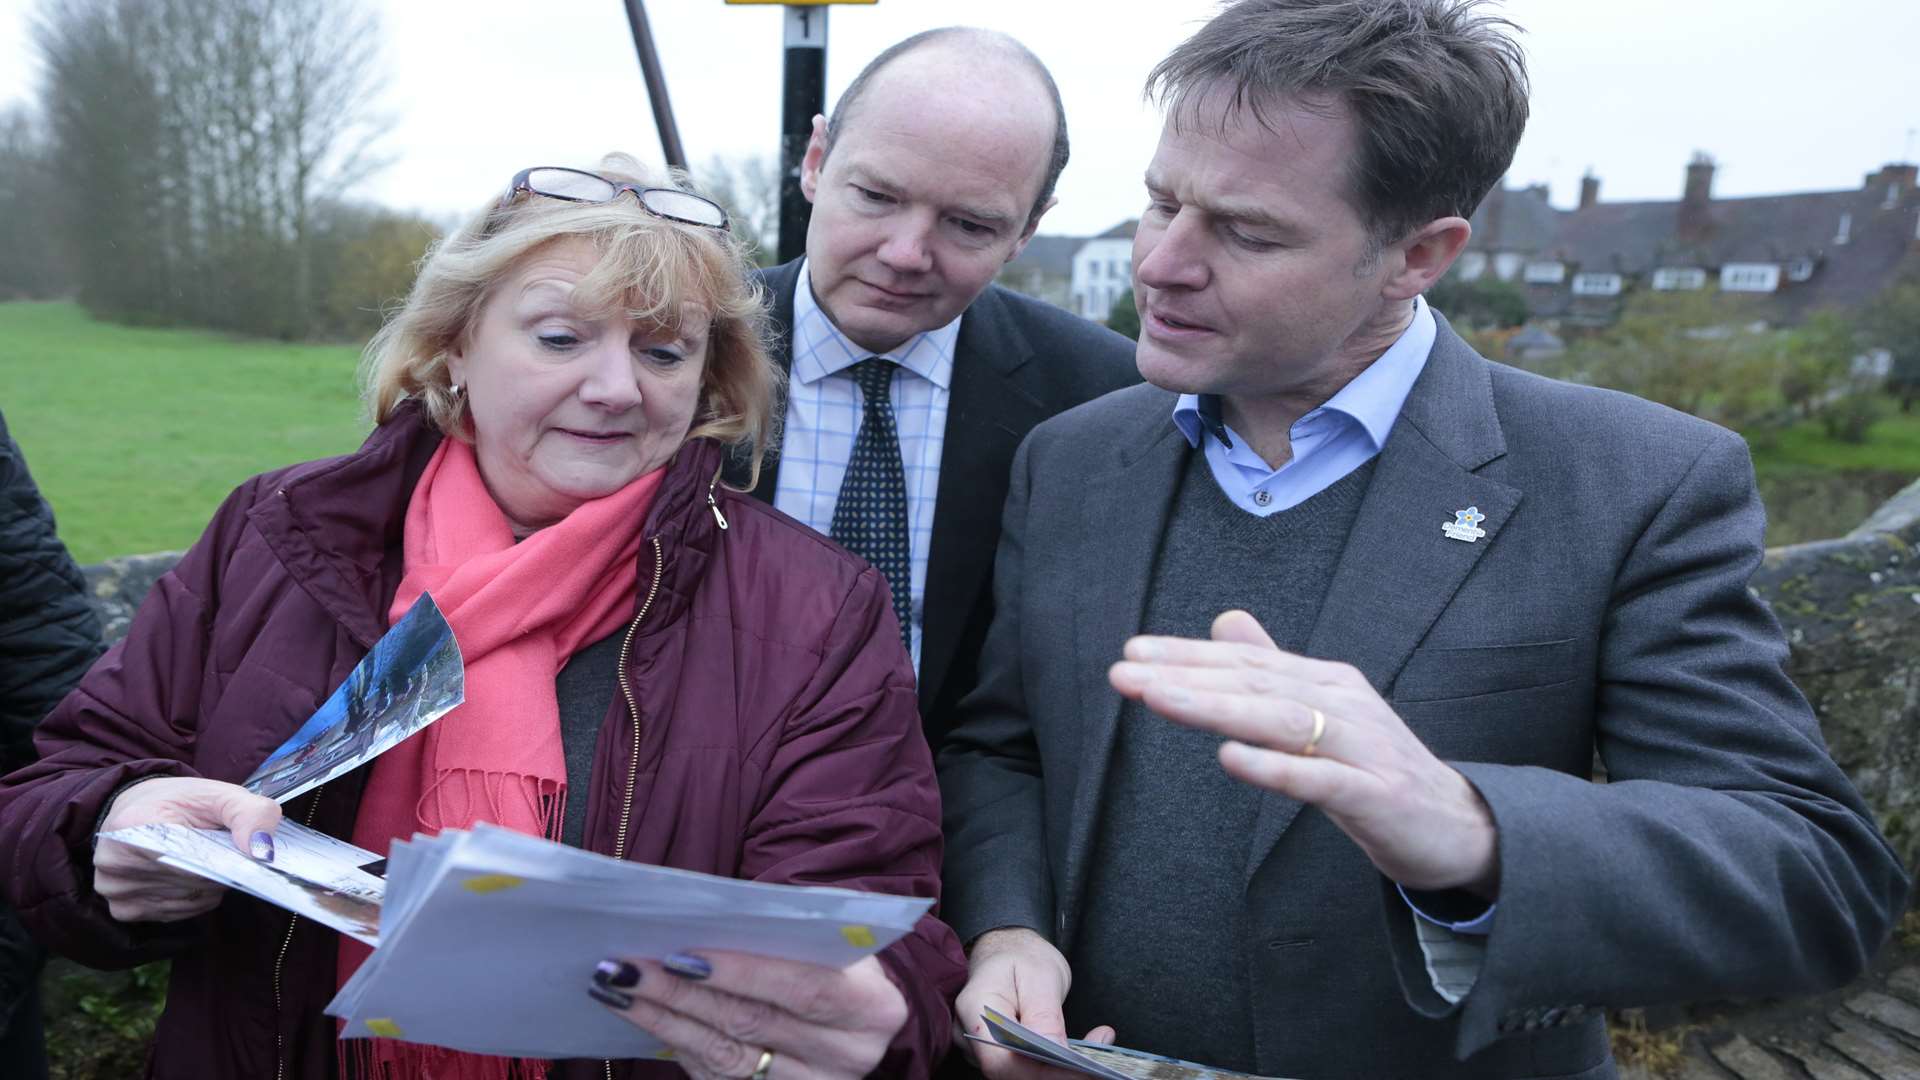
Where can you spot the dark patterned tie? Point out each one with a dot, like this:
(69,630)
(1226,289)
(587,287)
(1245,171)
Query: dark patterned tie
(870,518)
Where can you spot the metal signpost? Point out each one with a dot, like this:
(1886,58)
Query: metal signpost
(656,84)
(804,96)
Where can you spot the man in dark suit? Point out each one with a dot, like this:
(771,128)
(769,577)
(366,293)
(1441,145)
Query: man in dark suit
(1414,591)
(912,376)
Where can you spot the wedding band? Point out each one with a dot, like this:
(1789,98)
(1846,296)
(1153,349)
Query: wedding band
(766,1063)
(1319,729)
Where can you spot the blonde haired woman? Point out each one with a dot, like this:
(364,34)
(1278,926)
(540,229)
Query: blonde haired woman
(658,669)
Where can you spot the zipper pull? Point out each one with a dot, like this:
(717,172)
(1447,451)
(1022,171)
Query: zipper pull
(714,505)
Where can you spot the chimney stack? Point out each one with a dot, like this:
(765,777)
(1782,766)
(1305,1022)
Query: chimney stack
(1695,221)
(1893,183)
(1895,173)
(1589,190)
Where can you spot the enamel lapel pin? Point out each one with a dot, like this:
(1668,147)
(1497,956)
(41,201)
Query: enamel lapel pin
(1465,525)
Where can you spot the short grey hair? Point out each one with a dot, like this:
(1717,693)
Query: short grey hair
(1437,90)
(987,40)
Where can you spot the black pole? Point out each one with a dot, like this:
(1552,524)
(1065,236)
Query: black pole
(656,84)
(803,97)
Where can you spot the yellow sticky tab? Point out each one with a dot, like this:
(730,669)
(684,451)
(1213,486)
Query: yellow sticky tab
(384,1027)
(857,936)
(492,883)
(663,1054)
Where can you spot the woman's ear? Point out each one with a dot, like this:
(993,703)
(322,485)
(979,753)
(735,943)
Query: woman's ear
(457,366)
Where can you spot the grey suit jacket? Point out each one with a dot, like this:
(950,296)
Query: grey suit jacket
(1606,606)
(1017,362)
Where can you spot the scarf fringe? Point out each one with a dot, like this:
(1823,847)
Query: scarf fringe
(457,798)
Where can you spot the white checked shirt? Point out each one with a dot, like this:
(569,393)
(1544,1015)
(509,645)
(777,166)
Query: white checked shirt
(823,416)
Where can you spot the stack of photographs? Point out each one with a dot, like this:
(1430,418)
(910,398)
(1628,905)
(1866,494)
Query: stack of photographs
(1094,1059)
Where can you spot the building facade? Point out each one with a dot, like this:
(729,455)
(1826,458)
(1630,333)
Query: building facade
(1790,254)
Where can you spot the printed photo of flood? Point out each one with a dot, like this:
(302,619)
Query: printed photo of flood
(412,677)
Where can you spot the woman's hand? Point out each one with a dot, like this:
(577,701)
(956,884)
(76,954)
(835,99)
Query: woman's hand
(136,887)
(722,1012)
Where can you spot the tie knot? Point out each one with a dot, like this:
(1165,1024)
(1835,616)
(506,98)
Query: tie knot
(874,375)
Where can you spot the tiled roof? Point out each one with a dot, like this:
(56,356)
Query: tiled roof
(1636,238)
(1049,254)
(1515,219)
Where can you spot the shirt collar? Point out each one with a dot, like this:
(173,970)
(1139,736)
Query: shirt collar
(1372,399)
(820,349)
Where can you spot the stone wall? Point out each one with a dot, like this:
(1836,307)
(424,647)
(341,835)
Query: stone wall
(117,586)
(1851,609)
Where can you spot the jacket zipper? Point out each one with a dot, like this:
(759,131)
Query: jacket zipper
(280,960)
(633,706)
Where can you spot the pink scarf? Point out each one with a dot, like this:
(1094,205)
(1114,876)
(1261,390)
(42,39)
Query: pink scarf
(518,611)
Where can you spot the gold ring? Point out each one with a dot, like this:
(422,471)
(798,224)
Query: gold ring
(1319,729)
(766,1063)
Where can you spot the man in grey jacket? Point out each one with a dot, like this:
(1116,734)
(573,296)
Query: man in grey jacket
(1414,591)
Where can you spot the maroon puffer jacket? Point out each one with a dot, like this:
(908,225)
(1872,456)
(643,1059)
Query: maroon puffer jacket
(778,740)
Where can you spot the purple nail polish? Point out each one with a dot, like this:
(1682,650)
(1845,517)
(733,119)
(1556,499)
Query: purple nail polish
(610,998)
(261,846)
(687,966)
(617,974)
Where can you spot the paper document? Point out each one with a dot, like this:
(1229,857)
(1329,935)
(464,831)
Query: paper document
(412,677)
(1094,1059)
(489,938)
(311,874)
(485,941)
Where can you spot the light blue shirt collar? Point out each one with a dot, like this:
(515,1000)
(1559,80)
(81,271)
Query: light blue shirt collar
(1372,399)
(820,349)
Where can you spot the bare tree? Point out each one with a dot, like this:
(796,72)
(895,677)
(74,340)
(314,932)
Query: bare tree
(748,185)
(328,125)
(216,125)
(101,101)
(31,263)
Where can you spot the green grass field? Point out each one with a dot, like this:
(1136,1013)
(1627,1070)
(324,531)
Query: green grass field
(136,435)
(1893,444)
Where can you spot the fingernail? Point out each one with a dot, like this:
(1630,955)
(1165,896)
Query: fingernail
(261,846)
(687,966)
(616,973)
(611,998)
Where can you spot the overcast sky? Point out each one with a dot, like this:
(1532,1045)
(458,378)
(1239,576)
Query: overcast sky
(1788,95)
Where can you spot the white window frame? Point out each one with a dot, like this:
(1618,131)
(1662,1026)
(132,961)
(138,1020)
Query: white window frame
(1750,277)
(1845,231)
(1679,279)
(1544,273)
(1472,264)
(1596,284)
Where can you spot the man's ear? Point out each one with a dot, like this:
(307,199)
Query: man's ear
(1032,227)
(814,160)
(1424,255)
